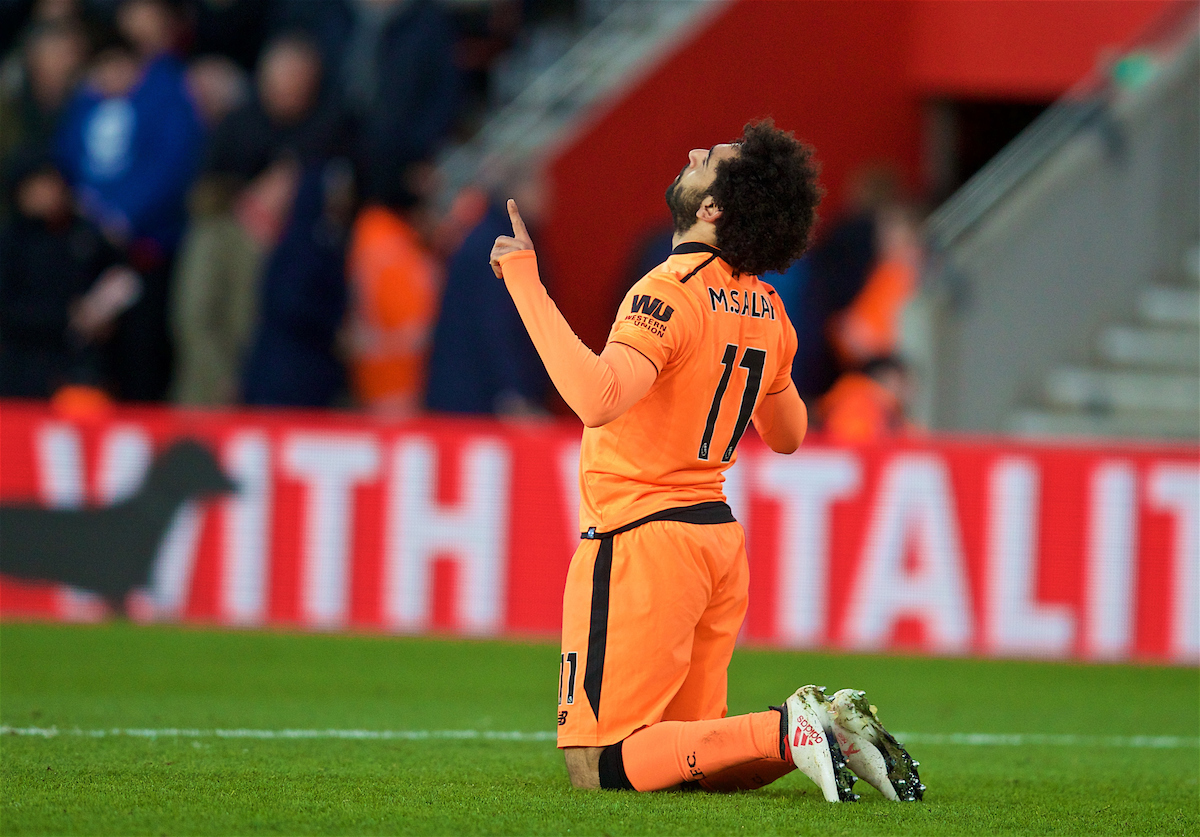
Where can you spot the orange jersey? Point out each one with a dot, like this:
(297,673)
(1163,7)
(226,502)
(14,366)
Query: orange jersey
(396,287)
(720,343)
(859,409)
(870,327)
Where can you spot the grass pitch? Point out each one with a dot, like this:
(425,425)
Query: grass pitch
(119,676)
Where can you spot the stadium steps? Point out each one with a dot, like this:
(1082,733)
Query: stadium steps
(1170,305)
(614,52)
(1152,347)
(1145,381)
(1121,389)
(1124,423)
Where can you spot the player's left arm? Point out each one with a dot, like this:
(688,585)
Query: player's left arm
(781,418)
(598,388)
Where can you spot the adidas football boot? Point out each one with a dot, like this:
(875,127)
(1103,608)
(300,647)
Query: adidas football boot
(813,744)
(872,752)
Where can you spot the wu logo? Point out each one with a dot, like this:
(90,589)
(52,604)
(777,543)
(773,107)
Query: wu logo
(653,307)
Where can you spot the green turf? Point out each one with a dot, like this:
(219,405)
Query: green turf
(124,676)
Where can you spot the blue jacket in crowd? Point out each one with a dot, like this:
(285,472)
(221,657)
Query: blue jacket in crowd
(132,158)
(292,362)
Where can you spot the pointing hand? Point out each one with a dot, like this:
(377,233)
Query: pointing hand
(506,244)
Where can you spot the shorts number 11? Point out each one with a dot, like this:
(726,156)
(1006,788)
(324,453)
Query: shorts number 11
(567,663)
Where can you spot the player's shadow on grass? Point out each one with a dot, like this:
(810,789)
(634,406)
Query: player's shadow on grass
(109,550)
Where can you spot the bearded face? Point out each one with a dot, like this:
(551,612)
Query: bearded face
(684,204)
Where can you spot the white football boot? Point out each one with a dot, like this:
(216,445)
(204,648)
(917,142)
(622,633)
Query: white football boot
(872,752)
(813,744)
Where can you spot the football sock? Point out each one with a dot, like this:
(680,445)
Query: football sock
(669,753)
(749,776)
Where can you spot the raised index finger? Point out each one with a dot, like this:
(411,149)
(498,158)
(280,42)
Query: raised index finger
(519,230)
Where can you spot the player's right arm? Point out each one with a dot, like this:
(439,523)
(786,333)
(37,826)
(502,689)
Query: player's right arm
(598,388)
(782,420)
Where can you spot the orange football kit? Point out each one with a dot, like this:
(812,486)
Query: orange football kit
(657,590)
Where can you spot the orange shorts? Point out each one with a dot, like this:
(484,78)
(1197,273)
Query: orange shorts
(650,619)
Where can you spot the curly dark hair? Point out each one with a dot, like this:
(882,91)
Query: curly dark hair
(768,195)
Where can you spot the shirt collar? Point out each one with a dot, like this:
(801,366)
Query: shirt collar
(694,247)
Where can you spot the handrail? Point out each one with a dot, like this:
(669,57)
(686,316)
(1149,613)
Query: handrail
(1083,105)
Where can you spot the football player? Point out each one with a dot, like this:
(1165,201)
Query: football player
(657,590)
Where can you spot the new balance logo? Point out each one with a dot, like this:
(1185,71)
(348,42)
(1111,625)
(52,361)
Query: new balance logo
(562,718)
(653,307)
(806,735)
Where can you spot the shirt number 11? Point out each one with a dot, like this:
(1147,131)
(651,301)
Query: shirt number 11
(752,361)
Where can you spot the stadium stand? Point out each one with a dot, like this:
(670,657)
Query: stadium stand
(547,97)
(1064,296)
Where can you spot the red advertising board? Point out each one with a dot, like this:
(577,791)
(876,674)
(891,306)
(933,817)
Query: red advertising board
(955,547)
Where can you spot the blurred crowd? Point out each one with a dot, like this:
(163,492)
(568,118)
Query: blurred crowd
(220,202)
(217,202)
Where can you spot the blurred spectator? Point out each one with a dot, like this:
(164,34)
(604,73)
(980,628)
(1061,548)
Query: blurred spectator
(58,10)
(485,30)
(869,327)
(234,29)
(12,15)
(238,210)
(869,404)
(128,144)
(460,217)
(482,359)
(154,27)
(838,267)
(218,87)
(17,15)
(61,286)
(216,282)
(286,115)
(302,298)
(651,250)
(393,62)
(791,284)
(216,286)
(34,94)
(395,284)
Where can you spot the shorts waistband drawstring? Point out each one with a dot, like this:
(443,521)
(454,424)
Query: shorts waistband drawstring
(700,514)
